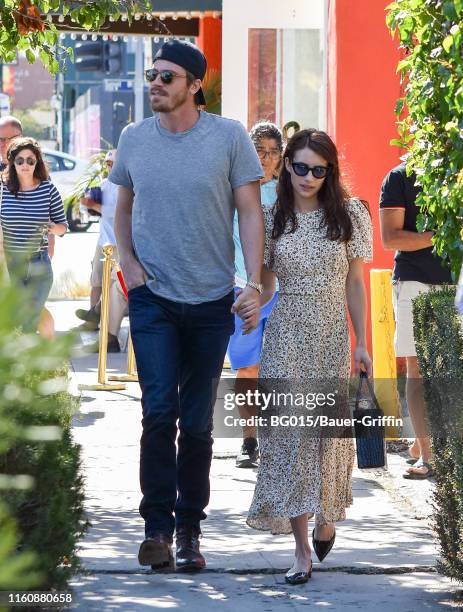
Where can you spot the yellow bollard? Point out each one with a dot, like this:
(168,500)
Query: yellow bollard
(384,359)
(131,375)
(102,385)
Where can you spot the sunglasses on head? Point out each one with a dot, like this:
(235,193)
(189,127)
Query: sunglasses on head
(302,169)
(167,76)
(30,161)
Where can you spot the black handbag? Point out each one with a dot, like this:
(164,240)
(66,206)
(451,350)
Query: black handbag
(369,428)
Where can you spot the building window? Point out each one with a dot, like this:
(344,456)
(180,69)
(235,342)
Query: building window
(285,76)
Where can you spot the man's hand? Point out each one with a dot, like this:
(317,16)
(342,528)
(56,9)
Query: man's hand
(247,307)
(133,273)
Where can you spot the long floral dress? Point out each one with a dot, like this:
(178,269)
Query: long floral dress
(307,337)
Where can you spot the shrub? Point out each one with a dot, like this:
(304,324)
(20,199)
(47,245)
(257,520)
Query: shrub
(431,32)
(39,462)
(439,346)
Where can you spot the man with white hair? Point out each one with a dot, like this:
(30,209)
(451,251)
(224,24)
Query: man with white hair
(103,199)
(10,128)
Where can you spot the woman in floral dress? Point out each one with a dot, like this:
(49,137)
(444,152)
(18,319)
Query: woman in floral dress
(317,239)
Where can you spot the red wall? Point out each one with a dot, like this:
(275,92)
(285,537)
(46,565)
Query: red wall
(262,75)
(210,41)
(362,90)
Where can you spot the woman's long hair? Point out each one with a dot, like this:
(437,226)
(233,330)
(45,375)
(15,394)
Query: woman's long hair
(332,196)
(17,145)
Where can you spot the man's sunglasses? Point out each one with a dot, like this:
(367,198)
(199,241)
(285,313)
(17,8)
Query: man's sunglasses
(167,76)
(302,169)
(30,161)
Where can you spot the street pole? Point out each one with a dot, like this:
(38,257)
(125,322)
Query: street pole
(59,111)
(138,87)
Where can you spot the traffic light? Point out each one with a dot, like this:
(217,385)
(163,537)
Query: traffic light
(105,56)
(114,56)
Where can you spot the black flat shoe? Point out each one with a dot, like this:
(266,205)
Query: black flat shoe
(299,577)
(322,547)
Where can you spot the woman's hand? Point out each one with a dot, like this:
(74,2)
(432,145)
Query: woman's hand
(362,360)
(58,229)
(247,307)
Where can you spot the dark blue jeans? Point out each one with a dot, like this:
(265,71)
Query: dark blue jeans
(179,349)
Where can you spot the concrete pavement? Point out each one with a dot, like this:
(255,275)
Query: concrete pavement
(383,558)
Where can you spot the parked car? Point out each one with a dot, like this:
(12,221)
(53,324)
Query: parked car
(65,172)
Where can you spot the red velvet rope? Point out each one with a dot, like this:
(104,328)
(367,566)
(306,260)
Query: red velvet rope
(122,283)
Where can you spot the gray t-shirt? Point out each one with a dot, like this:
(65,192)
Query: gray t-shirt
(182,217)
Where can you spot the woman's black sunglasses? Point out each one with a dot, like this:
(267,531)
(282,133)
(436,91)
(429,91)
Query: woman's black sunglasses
(302,169)
(167,76)
(30,161)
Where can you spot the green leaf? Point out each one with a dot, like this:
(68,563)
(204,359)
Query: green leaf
(449,10)
(399,107)
(450,126)
(447,43)
(30,56)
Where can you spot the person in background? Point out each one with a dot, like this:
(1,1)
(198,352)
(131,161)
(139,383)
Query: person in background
(244,349)
(103,199)
(10,128)
(31,209)
(416,270)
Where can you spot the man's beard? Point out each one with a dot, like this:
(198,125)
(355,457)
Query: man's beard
(167,104)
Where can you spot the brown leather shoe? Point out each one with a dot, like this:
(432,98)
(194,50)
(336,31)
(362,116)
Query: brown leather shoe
(157,552)
(187,556)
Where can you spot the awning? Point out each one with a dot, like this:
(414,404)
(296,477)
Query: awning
(160,6)
(168,17)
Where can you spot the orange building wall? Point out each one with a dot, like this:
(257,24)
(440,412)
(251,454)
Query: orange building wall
(362,90)
(210,41)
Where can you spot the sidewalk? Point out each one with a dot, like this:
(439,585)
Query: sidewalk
(383,558)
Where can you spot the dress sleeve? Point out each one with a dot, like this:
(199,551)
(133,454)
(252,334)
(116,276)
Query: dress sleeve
(269,242)
(361,242)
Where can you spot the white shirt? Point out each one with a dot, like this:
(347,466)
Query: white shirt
(108,212)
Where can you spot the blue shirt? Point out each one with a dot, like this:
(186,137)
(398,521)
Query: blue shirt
(268,196)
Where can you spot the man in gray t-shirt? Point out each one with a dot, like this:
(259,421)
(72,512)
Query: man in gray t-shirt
(181,174)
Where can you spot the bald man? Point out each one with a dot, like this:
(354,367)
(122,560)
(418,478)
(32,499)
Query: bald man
(10,128)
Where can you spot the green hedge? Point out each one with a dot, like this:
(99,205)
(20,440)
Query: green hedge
(431,113)
(41,518)
(439,343)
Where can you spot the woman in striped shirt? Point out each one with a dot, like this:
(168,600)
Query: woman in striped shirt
(31,210)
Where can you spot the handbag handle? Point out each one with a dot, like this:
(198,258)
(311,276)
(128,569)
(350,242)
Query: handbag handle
(364,378)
